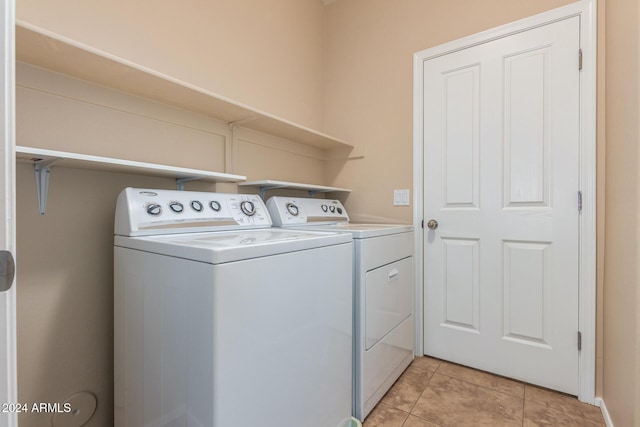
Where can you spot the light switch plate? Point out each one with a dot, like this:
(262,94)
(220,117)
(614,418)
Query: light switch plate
(401,198)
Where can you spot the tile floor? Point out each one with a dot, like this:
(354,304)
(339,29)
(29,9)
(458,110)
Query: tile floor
(433,393)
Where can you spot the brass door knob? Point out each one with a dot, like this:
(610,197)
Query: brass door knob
(432,224)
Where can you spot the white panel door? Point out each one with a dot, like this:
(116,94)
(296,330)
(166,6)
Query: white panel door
(8,393)
(501,177)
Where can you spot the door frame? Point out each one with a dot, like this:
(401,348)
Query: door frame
(586,10)
(8,364)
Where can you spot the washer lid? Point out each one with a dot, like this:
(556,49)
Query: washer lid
(227,246)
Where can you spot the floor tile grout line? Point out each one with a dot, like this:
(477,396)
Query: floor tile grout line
(522,399)
(406,417)
(432,372)
(423,418)
(436,371)
(484,387)
(441,362)
(405,420)
(411,413)
(523,403)
(421,393)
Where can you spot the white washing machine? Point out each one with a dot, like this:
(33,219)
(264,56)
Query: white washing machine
(222,321)
(383,291)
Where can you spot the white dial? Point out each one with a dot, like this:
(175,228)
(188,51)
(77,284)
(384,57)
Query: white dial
(177,207)
(293,209)
(248,208)
(154,209)
(196,206)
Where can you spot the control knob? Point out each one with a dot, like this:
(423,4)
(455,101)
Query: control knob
(177,207)
(293,209)
(154,209)
(248,208)
(215,205)
(196,206)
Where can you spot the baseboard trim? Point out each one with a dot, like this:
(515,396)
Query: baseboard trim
(605,412)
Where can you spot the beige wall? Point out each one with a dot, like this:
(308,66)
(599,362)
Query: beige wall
(265,54)
(65,288)
(622,257)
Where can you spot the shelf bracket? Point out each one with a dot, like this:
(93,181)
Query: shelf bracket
(42,170)
(181,181)
(263,192)
(237,123)
(264,188)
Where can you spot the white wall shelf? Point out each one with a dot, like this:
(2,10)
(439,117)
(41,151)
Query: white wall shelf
(268,184)
(54,52)
(43,160)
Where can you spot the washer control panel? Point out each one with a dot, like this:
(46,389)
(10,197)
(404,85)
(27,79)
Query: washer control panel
(287,211)
(150,212)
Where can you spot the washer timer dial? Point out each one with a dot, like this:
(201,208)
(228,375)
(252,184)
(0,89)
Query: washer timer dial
(248,208)
(293,209)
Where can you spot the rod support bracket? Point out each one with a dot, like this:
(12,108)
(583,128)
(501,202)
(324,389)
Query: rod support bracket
(42,170)
(181,181)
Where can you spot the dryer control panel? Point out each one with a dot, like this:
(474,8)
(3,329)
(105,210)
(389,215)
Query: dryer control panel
(286,211)
(144,212)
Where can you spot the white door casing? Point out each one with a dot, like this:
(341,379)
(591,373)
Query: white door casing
(8,378)
(507,245)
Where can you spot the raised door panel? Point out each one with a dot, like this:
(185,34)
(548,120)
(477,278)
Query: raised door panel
(461,137)
(526,280)
(461,283)
(526,128)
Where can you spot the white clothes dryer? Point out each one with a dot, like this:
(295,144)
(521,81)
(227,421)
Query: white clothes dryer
(223,321)
(383,291)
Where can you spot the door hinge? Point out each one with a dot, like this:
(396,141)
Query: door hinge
(580,59)
(579,340)
(579,201)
